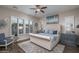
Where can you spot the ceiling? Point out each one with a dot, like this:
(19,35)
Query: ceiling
(51,9)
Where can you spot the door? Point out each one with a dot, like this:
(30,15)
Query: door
(69,23)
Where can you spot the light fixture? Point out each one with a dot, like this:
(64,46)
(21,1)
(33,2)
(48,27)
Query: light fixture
(38,10)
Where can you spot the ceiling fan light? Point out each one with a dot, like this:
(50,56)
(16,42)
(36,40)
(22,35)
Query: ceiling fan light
(38,10)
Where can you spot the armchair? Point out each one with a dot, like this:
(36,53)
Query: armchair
(5,41)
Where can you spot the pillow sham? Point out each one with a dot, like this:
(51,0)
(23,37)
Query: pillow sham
(55,32)
(52,31)
(46,31)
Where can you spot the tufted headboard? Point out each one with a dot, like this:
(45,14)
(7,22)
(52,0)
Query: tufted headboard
(53,27)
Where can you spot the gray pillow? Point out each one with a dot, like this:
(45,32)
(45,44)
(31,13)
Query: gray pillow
(46,31)
(50,31)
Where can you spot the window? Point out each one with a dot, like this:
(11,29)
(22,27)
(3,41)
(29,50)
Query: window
(30,26)
(20,27)
(14,24)
(26,26)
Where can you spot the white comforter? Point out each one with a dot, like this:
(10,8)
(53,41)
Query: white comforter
(51,36)
(47,41)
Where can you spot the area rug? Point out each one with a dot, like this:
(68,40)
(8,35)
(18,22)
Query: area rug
(4,51)
(30,47)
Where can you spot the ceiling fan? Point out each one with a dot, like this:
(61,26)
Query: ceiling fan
(39,8)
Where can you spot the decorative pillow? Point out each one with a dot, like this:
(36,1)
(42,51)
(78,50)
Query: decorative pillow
(42,31)
(46,31)
(55,32)
(50,31)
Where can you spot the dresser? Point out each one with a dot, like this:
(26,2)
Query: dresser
(69,39)
(77,40)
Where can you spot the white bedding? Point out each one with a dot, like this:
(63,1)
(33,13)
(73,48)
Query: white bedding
(51,36)
(47,41)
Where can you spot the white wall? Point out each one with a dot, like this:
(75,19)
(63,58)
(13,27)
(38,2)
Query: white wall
(74,13)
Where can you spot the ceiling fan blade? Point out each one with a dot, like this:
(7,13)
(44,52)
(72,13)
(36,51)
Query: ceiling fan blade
(43,7)
(38,6)
(42,11)
(33,8)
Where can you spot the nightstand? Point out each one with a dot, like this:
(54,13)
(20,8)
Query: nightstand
(78,40)
(69,39)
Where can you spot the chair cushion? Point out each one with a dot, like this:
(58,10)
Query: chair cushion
(2,36)
(7,39)
(2,42)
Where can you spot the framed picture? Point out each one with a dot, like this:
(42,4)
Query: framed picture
(52,19)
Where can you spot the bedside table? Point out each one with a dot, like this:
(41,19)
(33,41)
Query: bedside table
(77,39)
(69,39)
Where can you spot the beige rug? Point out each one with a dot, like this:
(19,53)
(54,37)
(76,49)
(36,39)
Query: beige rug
(30,47)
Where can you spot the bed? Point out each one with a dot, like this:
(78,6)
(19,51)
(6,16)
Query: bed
(47,40)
